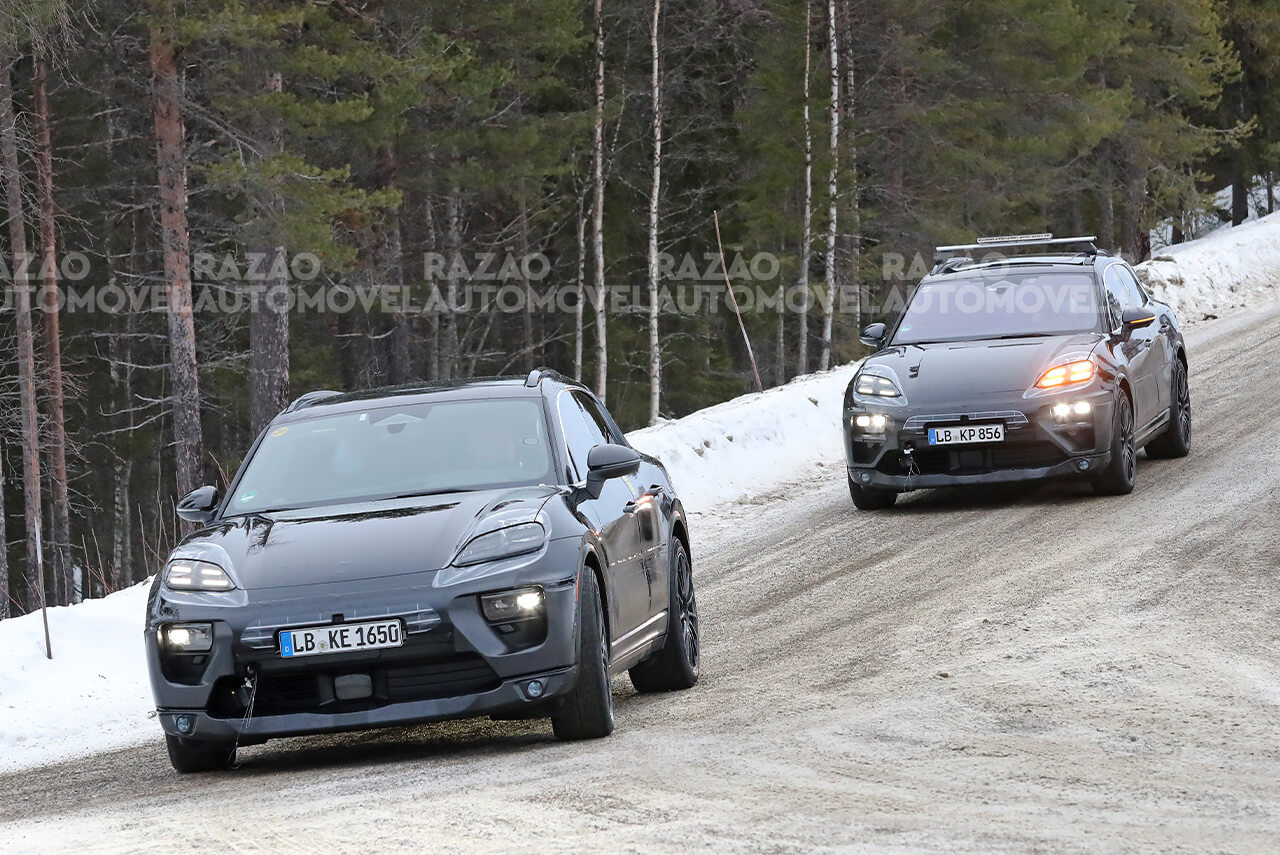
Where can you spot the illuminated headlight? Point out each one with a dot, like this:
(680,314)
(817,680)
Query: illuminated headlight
(520,604)
(1066,411)
(188,637)
(503,543)
(184,574)
(877,385)
(872,422)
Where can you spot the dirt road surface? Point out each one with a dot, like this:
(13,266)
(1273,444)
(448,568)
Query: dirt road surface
(1011,670)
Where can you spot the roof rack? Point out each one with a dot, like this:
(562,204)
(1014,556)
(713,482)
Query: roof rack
(945,254)
(310,398)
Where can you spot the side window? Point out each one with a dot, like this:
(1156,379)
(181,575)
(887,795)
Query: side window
(1115,294)
(581,433)
(598,417)
(1134,295)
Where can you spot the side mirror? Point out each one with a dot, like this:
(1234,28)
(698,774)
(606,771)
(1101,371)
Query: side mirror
(873,336)
(200,505)
(1136,319)
(609,461)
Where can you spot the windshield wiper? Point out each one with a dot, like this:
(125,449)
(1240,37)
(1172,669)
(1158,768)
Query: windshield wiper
(420,493)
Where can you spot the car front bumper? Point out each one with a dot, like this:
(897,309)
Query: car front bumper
(1036,445)
(453,663)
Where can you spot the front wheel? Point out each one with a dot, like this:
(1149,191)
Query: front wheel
(1122,472)
(1175,440)
(675,666)
(188,755)
(587,711)
(868,499)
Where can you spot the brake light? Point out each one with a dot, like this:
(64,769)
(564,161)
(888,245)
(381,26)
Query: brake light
(1067,375)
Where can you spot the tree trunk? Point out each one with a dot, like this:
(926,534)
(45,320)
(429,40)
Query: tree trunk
(449,320)
(269,318)
(655,191)
(806,245)
(850,107)
(602,350)
(4,548)
(581,289)
(391,261)
(833,194)
(531,359)
(61,508)
(1239,193)
(35,593)
(171,168)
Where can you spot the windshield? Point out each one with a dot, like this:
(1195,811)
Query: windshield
(1000,304)
(404,450)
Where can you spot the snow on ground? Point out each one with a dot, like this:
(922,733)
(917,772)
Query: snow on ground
(94,695)
(1229,268)
(91,697)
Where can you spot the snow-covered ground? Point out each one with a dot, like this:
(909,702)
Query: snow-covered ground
(1230,268)
(94,696)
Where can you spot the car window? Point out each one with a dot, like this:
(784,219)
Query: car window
(1132,288)
(598,417)
(404,449)
(581,433)
(1115,294)
(999,303)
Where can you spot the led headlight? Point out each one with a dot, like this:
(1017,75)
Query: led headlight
(188,637)
(503,543)
(185,574)
(872,422)
(877,385)
(520,604)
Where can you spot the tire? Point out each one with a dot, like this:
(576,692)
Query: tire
(675,666)
(587,711)
(190,756)
(1175,441)
(868,499)
(1122,472)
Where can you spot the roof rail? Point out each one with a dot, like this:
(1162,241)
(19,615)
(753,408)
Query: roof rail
(537,375)
(310,398)
(947,265)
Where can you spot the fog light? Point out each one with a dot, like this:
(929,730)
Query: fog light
(184,723)
(520,604)
(863,421)
(1082,408)
(1061,411)
(188,637)
(879,422)
(865,477)
(534,688)
(1084,464)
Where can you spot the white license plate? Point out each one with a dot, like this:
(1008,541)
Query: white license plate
(966,434)
(340,638)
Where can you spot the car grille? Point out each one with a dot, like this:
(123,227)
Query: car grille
(975,461)
(311,691)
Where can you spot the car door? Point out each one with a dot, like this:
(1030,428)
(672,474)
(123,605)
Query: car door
(612,517)
(1161,357)
(1134,347)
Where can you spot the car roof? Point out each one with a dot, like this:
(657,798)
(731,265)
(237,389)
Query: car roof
(323,402)
(1075,261)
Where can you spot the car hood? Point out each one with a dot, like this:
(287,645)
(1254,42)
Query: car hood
(353,542)
(954,371)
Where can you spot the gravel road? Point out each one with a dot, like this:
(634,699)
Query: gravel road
(1017,670)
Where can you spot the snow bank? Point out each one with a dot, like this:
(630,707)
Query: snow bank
(91,697)
(1229,268)
(749,445)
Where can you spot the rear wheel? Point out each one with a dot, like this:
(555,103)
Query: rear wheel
(1121,473)
(1175,441)
(868,499)
(188,755)
(675,666)
(587,711)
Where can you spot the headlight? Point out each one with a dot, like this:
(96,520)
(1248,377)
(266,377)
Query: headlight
(185,574)
(1067,374)
(520,604)
(503,543)
(878,385)
(188,637)
(872,422)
